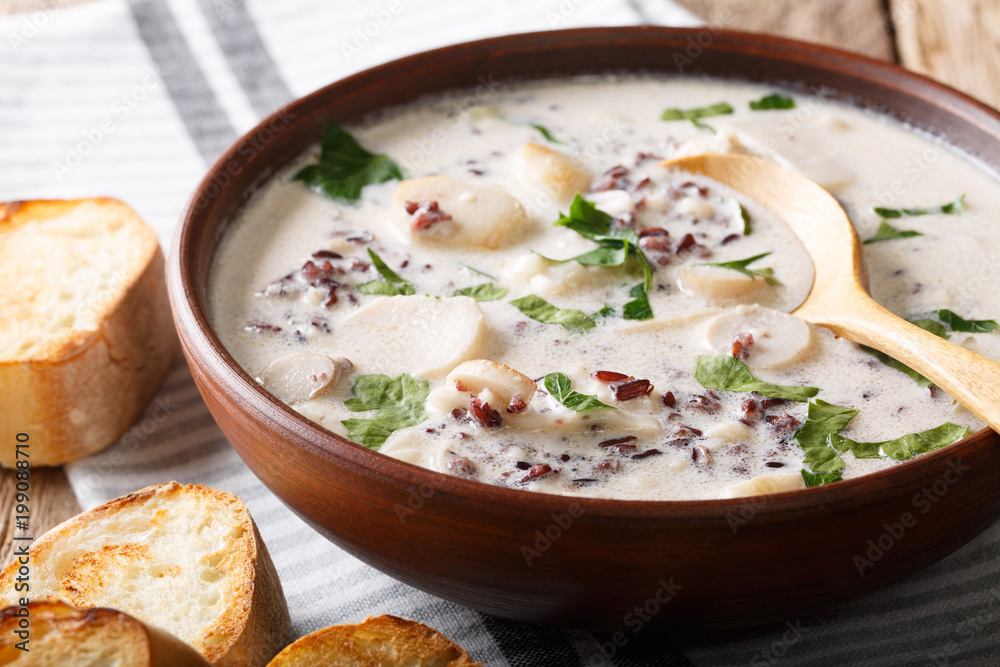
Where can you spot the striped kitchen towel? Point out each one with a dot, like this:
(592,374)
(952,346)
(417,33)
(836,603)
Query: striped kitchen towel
(135,99)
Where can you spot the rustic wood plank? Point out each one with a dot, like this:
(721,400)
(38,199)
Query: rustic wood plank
(50,500)
(856,25)
(955,42)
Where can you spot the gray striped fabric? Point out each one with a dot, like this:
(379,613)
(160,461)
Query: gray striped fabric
(134,99)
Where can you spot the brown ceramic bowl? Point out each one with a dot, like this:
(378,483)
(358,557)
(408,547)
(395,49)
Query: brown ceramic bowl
(586,563)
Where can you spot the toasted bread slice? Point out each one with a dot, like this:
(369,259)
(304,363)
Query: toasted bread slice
(44,634)
(85,328)
(184,558)
(381,641)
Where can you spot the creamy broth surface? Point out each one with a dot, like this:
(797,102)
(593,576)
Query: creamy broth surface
(269,303)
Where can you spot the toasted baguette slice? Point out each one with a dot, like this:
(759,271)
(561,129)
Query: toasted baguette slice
(381,641)
(85,326)
(55,633)
(187,559)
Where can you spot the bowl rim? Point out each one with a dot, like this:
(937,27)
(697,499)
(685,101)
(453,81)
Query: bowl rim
(203,347)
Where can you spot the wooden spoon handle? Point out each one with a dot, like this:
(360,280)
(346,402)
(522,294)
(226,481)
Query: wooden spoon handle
(971,379)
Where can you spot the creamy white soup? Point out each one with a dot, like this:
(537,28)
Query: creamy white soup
(522,295)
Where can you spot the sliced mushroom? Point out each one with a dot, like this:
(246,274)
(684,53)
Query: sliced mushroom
(723,140)
(758,486)
(728,432)
(446,398)
(553,279)
(613,202)
(301,375)
(658,325)
(613,422)
(319,412)
(699,208)
(718,284)
(778,338)
(504,382)
(421,335)
(405,445)
(552,172)
(520,270)
(477,215)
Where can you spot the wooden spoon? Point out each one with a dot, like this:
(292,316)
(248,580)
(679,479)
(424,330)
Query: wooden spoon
(839,299)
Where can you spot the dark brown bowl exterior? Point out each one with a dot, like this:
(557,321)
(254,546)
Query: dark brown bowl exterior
(586,563)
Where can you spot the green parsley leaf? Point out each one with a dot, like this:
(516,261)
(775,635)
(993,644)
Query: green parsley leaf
(484,292)
(615,245)
(385,288)
(345,168)
(773,101)
(588,221)
(390,285)
(399,401)
(813,479)
(898,365)
(695,115)
(475,270)
(956,323)
(638,309)
(602,256)
(741,266)
(951,208)
(541,310)
(927,325)
(887,232)
(731,374)
(383,268)
(904,447)
(823,420)
(936,328)
(558,386)
(746,219)
(607,311)
(545,133)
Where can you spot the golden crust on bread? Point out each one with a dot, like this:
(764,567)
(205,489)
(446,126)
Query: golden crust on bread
(59,634)
(381,641)
(185,558)
(48,247)
(86,333)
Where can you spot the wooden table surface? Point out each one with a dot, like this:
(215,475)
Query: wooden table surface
(955,41)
